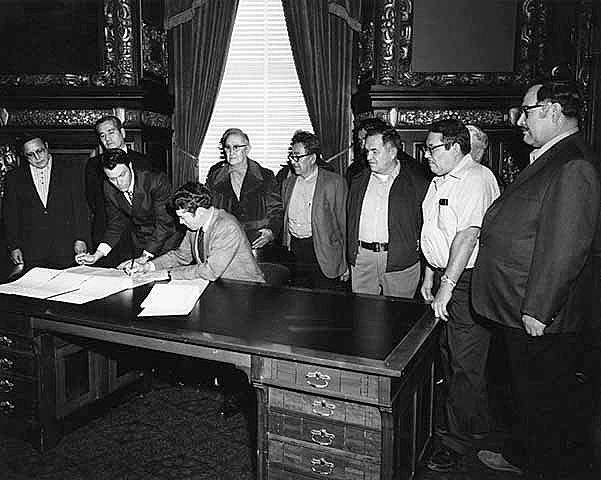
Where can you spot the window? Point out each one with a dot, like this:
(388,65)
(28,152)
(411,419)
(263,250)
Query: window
(260,92)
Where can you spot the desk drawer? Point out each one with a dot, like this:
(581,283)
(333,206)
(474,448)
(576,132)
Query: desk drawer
(323,408)
(15,323)
(10,341)
(303,376)
(21,363)
(322,462)
(330,434)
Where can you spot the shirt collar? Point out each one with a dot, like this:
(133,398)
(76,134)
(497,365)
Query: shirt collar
(209,219)
(310,178)
(536,153)
(459,170)
(240,167)
(385,177)
(133,178)
(45,169)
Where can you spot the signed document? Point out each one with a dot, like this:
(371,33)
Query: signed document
(177,297)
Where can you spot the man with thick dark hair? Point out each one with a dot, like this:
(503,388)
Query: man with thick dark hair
(456,201)
(385,219)
(135,202)
(111,134)
(44,209)
(533,274)
(215,245)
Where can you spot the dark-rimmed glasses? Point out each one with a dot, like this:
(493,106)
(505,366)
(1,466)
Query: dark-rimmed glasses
(524,109)
(297,158)
(233,148)
(430,150)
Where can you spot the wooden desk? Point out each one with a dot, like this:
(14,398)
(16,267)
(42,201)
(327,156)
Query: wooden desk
(344,382)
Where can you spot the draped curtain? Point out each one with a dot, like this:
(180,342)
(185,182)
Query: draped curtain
(322,36)
(199,39)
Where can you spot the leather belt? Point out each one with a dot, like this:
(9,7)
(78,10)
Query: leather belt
(374,246)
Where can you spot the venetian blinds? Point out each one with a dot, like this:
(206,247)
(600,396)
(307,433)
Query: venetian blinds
(260,92)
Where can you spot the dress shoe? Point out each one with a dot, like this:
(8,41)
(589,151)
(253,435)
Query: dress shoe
(230,406)
(496,461)
(446,460)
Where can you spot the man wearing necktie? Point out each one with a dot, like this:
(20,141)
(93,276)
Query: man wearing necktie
(135,202)
(249,192)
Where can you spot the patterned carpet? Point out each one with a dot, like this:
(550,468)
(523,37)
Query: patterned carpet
(168,433)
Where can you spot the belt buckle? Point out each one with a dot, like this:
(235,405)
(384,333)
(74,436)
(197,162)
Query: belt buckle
(377,246)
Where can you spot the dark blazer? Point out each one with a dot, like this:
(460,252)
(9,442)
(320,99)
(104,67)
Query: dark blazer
(328,220)
(151,225)
(404,216)
(535,242)
(46,234)
(260,205)
(95,178)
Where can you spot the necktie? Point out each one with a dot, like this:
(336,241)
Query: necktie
(130,196)
(200,245)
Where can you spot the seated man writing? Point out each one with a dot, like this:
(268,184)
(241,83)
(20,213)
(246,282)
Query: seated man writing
(215,245)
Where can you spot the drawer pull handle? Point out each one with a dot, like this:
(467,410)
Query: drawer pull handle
(6,407)
(322,437)
(317,379)
(6,386)
(4,340)
(323,408)
(6,363)
(321,466)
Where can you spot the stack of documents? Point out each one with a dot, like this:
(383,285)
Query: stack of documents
(177,297)
(76,285)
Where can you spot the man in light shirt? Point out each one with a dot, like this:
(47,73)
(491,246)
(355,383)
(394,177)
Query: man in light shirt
(136,202)
(534,272)
(385,219)
(314,216)
(456,201)
(45,209)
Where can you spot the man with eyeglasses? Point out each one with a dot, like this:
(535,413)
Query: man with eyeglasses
(533,275)
(384,219)
(248,191)
(136,203)
(457,199)
(44,209)
(314,217)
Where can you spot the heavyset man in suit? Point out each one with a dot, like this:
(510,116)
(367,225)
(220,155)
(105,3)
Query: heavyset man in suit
(136,202)
(111,134)
(456,201)
(248,191)
(533,272)
(45,209)
(314,216)
(385,219)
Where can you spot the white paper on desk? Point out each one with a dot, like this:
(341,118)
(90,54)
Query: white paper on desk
(103,282)
(44,283)
(177,297)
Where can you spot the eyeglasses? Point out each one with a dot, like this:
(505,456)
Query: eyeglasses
(233,148)
(297,158)
(36,153)
(430,150)
(524,109)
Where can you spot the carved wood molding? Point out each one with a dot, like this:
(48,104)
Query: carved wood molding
(154,51)
(422,118)
(390,61)
(40,118)
(118,56)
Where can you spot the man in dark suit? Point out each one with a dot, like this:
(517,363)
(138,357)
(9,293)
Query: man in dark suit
(135,201)
(385,219)
(45,209)
(314,216)
(248,191)
(533,272)
(111,134)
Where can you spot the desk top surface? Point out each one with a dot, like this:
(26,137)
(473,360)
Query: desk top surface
(288,323)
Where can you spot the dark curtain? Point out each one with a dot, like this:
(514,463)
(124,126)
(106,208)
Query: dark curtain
(199,39)
(322,36)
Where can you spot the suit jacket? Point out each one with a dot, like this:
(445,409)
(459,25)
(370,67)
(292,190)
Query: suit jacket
(535,242)
(260,205)
(95,179)
(328,220)
(227,253)
(46,233)
(152,227)
(404,216)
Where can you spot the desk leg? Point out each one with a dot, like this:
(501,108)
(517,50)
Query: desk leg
(50,431)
